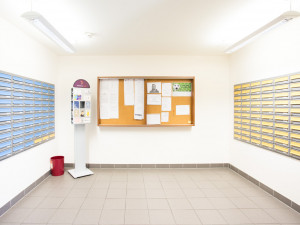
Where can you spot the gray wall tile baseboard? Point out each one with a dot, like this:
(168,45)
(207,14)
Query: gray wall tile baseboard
(19,196)
(152,166)
(267,189)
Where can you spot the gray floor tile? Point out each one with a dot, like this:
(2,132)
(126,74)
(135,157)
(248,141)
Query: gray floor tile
(234,216)
(15,215)
(137,217)
(136,203)
(186,217)
(258,216)
(158,204)
(64,216)
(39,216)
(210,217)
(89,216)
(284,215)
(161,217)
(93,203)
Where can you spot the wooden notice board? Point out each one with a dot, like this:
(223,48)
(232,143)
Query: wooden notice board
(125,115)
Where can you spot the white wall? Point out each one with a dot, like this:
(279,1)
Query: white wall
(128,145)
(276,53)
(21,55)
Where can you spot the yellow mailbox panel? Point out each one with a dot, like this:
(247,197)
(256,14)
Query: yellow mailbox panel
(282,79)
(266,144)
(281,133)
(280,148)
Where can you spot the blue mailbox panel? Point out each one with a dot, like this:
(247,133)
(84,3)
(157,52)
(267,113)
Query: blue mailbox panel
(26,113)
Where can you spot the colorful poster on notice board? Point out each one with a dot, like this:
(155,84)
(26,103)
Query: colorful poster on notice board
(182,89)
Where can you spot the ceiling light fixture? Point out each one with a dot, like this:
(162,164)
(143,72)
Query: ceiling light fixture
(282,19)
(44,26)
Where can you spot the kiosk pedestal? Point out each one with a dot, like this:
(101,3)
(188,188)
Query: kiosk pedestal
(80,152)
(80,115)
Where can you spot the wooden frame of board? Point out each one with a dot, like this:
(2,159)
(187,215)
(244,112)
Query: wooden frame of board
(126,112)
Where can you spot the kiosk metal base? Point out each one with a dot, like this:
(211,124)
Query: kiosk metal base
(80,173)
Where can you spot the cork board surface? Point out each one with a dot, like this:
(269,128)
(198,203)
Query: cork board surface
(126,113)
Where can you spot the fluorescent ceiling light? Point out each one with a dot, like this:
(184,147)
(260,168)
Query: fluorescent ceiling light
(43,25)
(282,19)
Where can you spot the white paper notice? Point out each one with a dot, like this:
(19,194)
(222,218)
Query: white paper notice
(139,99)
(153,119)
(182,110)
(153,99)
(166,104)
(109,99)
(166,89)
(128,92)
(165,117)
(154,87)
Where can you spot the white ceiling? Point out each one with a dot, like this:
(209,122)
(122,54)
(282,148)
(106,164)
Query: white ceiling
(188,27)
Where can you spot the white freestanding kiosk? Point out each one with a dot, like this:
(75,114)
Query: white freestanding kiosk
(80,115)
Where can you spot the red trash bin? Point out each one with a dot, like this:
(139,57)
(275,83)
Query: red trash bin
(57,165)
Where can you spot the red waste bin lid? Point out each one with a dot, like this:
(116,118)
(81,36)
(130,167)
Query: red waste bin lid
(57,157)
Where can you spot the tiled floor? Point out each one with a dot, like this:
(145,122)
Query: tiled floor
(146,196)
